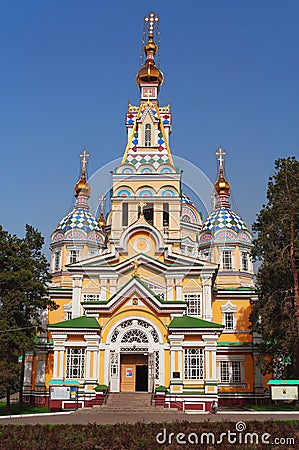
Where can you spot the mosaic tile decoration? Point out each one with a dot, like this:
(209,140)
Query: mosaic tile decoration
(153,160)
(186,199)
(79,218)
(224,218)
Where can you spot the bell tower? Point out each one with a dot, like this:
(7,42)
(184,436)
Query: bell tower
(147,171)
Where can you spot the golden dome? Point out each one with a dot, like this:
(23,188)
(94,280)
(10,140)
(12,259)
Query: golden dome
(82,184)
(149,72)
(102,221)
(222,186)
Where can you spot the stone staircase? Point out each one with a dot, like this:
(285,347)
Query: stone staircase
(132,402)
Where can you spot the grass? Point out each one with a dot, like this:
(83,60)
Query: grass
(15,408)
(274,407)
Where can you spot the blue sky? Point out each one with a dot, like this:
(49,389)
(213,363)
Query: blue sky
(68,70)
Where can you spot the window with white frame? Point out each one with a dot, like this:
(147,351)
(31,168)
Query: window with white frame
(231,372)
(224,372)
(57,260)
(244,261)
(74,256)
(227,262)
(148,135)
(194,364)
(236,372)
(229,320)
(193,301)
(229,316)
(75,358)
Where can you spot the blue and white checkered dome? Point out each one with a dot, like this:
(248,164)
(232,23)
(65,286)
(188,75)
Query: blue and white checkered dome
(186,200)
(223,218)
(81,219)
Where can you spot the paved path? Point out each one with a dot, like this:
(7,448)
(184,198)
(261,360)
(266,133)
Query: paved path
(96,416)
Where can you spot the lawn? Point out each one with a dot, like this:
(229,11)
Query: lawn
(27,409)
(274,407)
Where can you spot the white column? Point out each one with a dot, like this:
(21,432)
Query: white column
(103,292)
(179,287)
(61,365)
(206,280)
(176,384)
(92,352)
(59,349)
(169,287)
(113,285)
(210,349)
(76,300)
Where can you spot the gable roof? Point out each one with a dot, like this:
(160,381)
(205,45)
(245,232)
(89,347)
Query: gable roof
(192,322)
(78,322)
(128,289)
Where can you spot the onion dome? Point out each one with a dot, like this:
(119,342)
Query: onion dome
(149,72)
(223,217)
(102,222)
(82,185)
(222,186)
(79,218)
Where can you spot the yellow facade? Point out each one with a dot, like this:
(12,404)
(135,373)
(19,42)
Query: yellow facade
(152,297)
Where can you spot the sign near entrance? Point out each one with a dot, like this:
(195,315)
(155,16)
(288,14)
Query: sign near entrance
(284,392)
(60,393)
(129,372)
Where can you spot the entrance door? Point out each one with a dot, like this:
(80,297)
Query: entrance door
(128,377)
(134,372)
(141,378)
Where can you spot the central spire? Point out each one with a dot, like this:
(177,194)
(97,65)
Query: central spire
(149,74)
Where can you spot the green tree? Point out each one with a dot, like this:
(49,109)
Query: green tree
(24,275)
(276,314)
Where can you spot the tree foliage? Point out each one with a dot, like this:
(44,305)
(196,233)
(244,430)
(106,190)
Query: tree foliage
(24,274)
(275,315)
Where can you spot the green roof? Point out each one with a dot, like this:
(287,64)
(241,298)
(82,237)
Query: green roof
(78,322)
(283,382)
(192,322)
(236,344)
(153,294)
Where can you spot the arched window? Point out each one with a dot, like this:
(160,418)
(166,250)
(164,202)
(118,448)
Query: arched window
(148,135)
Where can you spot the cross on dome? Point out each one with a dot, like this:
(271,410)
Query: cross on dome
(150,20)
(84,155)
(221,154)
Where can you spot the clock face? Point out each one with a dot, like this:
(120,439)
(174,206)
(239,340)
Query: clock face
(188,215)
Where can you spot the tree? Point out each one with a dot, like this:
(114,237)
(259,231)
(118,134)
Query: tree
(276,314)
(24,275)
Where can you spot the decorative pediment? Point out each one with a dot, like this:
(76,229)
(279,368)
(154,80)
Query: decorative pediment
(135,289)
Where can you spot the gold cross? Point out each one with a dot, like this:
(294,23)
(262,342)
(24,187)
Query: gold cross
(135,271)
(84,157)
(220,153)
(142,205)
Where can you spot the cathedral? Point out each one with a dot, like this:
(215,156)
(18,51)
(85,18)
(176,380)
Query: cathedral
(151,296)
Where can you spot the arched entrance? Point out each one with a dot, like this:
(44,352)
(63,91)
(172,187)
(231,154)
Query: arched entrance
(134,356)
